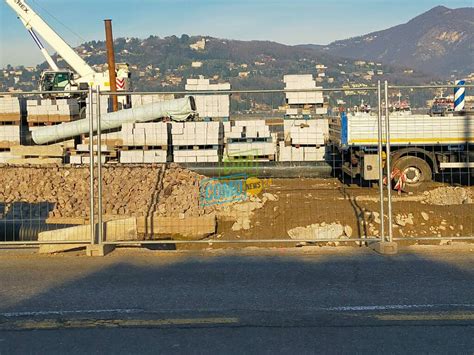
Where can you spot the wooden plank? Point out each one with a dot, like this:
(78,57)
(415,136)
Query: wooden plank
(35,161)
(38,151)
(66,220)
(10,117)
(7,144)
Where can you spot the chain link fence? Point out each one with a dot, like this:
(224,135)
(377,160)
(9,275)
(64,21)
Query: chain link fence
(257,167)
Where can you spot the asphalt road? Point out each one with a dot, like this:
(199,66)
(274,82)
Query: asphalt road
(278,301)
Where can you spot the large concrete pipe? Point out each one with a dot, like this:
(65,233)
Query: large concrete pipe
(178,110)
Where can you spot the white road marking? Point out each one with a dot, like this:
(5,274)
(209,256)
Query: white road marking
(337,309)
(396,307)
(88,311)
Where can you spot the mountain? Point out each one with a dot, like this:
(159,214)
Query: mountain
(439,41)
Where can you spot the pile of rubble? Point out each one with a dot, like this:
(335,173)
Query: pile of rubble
(444,196)
(320,231)
(126,190)
(180,194)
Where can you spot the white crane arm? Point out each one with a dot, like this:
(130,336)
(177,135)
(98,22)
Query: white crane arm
(33,21)
(43,50)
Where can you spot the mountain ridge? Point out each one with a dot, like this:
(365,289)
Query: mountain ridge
(440,40)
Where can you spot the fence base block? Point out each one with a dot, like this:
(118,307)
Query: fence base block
(99,250)
(385,248)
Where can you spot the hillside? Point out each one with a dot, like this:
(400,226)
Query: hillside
(164,63)
(440,41)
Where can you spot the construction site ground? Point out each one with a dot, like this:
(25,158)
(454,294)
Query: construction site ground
(302,202)
(290,209)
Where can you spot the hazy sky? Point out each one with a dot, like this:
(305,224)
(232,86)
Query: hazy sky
(290,22)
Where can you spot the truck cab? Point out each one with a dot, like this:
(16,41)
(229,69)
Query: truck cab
(57,81)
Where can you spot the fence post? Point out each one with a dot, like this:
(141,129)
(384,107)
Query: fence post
(91,164)
(380,152)
(99,170)
(97,248)
(389,169)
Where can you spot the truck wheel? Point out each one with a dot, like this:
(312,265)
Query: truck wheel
(416,170)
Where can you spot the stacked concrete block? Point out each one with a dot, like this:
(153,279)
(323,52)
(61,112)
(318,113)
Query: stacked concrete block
(10,109)
(10,120)
(212,106)
(140,100)
(6,157)
(85,159)
(252,129)
(196,142)
(145,134)
(196,156)
(143,156)
(301,153)
(105,105)
(250,138)
(195,133)
(9,135)
(254,149)
(302,112)
(52,111)
(302,82)
(306,132)
(304,140)
(81,154)
(109,138)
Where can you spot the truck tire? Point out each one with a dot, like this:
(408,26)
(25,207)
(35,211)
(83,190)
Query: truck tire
(416,170)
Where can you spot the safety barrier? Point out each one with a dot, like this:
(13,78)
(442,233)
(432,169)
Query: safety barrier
(274,171)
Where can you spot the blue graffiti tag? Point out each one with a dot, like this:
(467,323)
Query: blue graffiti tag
(224,189)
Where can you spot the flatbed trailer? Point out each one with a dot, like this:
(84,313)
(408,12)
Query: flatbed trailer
(421,145)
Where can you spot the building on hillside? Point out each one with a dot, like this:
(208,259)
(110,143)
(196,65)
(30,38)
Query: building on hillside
(199,45)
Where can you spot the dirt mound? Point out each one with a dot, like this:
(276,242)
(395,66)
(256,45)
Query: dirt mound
(444,196)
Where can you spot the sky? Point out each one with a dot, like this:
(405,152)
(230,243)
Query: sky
(284,21)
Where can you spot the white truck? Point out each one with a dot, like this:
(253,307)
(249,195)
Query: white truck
(58,79)
(421,145)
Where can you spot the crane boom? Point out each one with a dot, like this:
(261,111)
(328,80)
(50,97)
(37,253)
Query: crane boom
(33,21)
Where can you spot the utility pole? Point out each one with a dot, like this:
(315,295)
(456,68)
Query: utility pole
(109,38)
